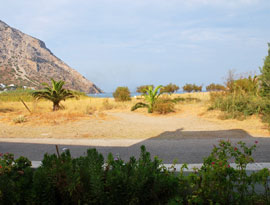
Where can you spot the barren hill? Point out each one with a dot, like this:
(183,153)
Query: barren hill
(26,61)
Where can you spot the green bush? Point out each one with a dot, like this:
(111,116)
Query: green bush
(141,181)
(164,105)
(192,87)
(215,87)
(15,180)
(143,89)
(84,180)
(64,180)
(218,183)
(265,76)
(88,180)
(122,94)
(236,105)
(247,85)
(188,87)
(170,88)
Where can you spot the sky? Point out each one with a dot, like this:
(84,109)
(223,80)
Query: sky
(136,42)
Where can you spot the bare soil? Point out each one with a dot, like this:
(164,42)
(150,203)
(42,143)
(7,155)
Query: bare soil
(192,121)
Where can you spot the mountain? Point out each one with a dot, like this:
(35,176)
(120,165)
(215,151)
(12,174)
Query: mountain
(26,61)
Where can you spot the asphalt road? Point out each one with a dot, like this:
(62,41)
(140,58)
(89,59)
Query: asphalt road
(184,150)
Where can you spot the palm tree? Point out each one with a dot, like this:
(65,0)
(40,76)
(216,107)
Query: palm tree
(150,96)
(55,94)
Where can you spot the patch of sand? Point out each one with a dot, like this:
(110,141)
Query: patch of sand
(191,121)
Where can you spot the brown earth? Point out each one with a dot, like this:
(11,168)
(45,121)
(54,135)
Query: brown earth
(192,121)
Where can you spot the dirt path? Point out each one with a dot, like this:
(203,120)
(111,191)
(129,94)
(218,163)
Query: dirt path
(192,122)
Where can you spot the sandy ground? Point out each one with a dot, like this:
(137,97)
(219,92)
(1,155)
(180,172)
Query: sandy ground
(192,121)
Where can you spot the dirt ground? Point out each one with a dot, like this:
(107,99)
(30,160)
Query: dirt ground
(191,121)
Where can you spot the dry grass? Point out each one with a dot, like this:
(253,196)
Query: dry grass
(104,118)
(72,110)
(203,96)
(88,107)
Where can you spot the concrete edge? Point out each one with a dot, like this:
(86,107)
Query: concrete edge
(191,167)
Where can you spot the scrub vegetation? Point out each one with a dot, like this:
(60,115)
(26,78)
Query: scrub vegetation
(245,96)
(89,179)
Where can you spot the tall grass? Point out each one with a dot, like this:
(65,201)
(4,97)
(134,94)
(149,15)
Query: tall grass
(77,108)
(73,109)
(16,95)
(239,106)
(26,95)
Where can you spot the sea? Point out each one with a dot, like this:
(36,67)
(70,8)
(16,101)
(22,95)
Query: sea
(110,95)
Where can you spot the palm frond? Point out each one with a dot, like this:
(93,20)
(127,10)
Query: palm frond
(156,90)
(139,105)
(56,93)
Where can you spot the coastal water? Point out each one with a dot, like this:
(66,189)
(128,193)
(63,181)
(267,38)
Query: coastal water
(110,95)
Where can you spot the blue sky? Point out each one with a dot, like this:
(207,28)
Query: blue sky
(135,42)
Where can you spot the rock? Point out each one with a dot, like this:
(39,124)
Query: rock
(26,61)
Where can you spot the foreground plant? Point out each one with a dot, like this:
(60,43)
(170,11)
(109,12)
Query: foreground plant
(219,183)
(55,94)
(62,179)
(15,179)
(151,97)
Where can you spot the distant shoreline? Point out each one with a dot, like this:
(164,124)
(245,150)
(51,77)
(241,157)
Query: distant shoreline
(110,94)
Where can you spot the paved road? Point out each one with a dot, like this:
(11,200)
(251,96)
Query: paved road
(185,150)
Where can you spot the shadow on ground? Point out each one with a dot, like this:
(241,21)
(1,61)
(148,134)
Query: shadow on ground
(186,146)
(182,134)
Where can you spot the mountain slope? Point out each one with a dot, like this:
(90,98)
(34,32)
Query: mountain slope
(26,61)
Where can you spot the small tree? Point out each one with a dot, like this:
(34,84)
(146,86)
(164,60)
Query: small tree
(122,94)
(215,87)
(150,96)
(143,89)
(197,88)
(170,88)
(55,94)
(188,87)
(265,76)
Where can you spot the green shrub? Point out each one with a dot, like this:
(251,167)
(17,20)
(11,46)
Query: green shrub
(143,89)
(64,180)
(19,119)
(122,94)
(247,85)
(192,87)
(170,88)
(197,88)
(84,180)
(141,181)
(188,87)
(218,183)
(15,180)
(163,105)
(265,76)
(215,87)
(237,105)
(87,180)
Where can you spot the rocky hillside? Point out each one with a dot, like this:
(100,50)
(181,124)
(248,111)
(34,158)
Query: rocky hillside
(25,61)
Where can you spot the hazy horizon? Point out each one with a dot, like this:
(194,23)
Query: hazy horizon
(131,43)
